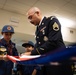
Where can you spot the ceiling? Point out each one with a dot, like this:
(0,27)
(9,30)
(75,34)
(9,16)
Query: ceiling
(63,8)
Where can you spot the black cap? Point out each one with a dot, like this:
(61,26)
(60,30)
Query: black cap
(29,43)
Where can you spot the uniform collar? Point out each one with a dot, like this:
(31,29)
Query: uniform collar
(41,25)
(4,41)
(40,21)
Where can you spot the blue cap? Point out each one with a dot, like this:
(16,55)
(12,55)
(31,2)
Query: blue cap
(29,43)
(8,28)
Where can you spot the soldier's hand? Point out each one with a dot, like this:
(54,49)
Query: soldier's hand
(5,58)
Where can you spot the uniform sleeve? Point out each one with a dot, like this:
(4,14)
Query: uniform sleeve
(54,35)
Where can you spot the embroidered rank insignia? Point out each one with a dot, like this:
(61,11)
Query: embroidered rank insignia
(55,26)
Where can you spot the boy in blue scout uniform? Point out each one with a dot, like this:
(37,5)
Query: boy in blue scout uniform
(5,43)
(48,38)
(29,69)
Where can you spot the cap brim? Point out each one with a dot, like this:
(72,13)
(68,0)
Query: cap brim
(26,44)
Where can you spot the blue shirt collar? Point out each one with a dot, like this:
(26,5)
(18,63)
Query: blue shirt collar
(4,41)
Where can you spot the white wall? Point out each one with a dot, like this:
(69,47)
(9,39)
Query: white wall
(67,36)
(23,26)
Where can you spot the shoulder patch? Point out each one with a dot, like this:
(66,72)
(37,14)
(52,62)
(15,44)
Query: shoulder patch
(55,26)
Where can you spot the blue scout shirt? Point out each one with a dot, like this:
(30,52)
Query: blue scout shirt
(28,69)
(6,66)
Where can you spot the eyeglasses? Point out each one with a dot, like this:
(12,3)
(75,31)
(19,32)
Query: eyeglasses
(31,16)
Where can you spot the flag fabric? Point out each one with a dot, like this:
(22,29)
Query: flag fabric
(21,58)
(56,55)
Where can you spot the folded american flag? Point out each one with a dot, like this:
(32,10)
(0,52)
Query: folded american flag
(21,58)
(56,55)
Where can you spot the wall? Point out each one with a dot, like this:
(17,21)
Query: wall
(23,26)
(69,34)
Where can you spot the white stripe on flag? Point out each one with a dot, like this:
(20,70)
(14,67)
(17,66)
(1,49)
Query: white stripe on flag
(27,56)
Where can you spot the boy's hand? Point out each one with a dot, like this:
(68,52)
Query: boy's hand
(5,58)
